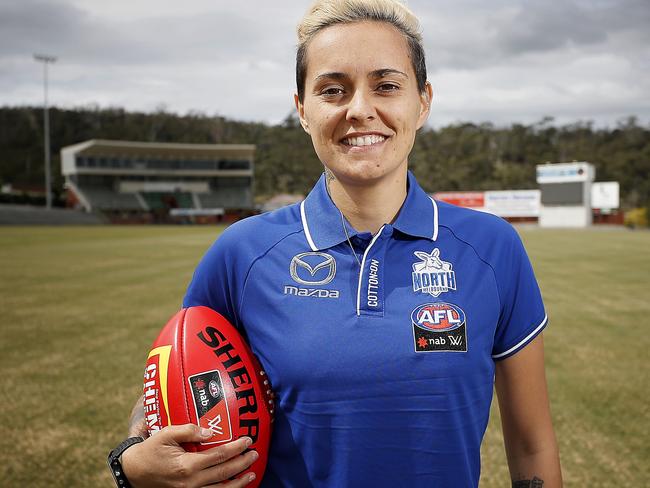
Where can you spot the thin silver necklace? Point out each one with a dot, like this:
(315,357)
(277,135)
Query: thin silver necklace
(347,236)
(345,229)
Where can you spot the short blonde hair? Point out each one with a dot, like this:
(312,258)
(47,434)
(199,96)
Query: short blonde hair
(325,13)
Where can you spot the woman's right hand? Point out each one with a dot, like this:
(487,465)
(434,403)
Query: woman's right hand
(161,461)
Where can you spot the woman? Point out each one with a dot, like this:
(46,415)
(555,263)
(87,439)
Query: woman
(381,316)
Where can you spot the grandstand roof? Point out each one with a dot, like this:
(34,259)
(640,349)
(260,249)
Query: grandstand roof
(109,147)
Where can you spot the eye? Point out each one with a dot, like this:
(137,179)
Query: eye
(331,91)
(388,87)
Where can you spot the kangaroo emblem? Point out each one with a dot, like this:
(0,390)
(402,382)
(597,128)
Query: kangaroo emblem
(432,275)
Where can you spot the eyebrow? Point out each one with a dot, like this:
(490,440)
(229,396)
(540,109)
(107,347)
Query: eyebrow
(376,74)
(382,73)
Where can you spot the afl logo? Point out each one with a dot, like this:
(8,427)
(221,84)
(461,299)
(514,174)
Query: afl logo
(313,268)
(438,317)
(213,387)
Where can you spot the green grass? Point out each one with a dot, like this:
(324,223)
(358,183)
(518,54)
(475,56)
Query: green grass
(81,306)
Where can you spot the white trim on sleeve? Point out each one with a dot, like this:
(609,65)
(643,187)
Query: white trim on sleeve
(523,341)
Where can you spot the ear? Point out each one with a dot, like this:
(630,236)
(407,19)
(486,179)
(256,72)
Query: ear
(425,104)
(300,108)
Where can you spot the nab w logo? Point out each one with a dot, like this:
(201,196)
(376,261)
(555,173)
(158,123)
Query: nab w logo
(215,425)
(439,327)
(432,275)
(211,406)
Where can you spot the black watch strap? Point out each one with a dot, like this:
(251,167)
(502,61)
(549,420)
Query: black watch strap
(115,464)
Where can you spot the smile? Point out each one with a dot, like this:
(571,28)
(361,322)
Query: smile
(364,140)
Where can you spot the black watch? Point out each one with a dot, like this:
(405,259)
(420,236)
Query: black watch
(115,464)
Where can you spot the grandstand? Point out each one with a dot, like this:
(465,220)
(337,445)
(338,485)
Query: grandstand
(125,177)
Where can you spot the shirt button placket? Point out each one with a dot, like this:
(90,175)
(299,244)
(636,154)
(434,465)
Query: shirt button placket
(370,293)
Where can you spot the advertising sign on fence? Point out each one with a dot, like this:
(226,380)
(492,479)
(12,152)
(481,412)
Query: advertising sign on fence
(470,199)
(605,195)
(513,203)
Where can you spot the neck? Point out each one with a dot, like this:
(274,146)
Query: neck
(369,207)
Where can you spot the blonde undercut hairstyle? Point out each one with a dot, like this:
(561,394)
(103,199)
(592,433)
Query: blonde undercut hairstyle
(325,13)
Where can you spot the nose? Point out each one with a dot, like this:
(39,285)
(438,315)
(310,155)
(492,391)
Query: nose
(360,107)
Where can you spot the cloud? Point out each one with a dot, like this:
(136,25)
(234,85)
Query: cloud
(81,37)
(503,60)
(39,26)
(564,87)
(474,35)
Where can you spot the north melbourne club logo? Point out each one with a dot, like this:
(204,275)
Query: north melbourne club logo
(432,275)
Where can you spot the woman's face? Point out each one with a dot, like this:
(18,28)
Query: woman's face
(362,106)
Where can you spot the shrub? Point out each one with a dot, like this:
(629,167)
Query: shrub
(637,217)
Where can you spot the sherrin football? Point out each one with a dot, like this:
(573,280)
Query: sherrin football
(201,371)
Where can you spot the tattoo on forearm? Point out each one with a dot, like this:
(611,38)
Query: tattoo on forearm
(137,415)
(136,421)
(534,483)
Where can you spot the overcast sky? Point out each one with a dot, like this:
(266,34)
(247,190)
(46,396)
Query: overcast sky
(501,61)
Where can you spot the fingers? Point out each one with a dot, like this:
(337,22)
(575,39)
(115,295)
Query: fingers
(239,482)
(177,434)
(228,469)
(203,468)
(221,454)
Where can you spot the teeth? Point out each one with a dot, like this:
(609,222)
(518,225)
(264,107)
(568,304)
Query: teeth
(364,140)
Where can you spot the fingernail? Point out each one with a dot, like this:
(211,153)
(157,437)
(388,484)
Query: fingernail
(248,441)
(255,455)
(206,432)
(251,477)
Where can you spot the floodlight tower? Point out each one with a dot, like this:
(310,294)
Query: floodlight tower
(45,59)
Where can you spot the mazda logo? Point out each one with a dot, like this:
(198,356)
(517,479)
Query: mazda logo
(313,262)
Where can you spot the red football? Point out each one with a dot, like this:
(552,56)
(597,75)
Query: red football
(201,371)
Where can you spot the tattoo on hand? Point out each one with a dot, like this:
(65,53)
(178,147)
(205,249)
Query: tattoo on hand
(534,483)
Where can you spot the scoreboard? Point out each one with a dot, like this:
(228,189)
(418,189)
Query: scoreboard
(566,194)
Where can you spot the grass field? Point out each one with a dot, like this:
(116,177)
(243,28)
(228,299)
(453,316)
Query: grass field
(82,305)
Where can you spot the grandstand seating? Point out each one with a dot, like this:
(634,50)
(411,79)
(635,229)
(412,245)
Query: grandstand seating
(235,197)
(134,178)
(101,198)
(158,200)
(105,199)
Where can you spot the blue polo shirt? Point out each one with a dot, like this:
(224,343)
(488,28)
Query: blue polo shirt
(383,367)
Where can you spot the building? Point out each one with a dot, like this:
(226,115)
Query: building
(161,179)
(567,197)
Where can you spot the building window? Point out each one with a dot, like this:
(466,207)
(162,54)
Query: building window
(234,164)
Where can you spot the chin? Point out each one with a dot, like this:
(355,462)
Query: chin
(362,173)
